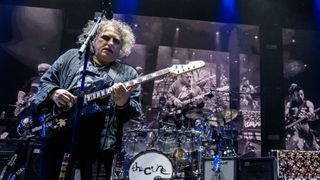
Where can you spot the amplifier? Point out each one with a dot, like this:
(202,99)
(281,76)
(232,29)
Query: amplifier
(257,168)
(228,169)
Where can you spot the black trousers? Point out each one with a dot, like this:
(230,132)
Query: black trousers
(52,155)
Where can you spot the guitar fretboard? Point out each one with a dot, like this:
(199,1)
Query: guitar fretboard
(106,92)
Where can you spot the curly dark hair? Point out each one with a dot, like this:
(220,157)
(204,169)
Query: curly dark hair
(293,88)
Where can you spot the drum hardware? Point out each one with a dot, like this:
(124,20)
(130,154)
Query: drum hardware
(167,125)
(184,147)
(229,152)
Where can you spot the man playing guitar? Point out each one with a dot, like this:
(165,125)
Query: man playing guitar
(299,136)
(184,95)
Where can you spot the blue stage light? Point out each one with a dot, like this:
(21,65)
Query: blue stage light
(228,11)
(127,6)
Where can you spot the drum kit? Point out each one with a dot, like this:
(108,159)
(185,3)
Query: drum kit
(170,153)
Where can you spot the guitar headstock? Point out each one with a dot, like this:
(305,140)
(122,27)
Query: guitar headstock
(178,69)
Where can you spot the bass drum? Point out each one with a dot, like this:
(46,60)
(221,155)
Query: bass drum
(149,165)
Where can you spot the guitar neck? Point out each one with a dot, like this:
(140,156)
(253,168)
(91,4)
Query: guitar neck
(106,92)
(201,96)
(175,69)
(191,100)
(301,119)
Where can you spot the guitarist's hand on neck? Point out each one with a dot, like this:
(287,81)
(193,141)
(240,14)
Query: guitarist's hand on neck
(120,94)
(63,98)
(177,102)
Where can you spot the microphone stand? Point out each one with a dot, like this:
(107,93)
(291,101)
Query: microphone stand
(84,50)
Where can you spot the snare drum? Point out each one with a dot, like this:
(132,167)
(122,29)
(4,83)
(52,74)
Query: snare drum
(150,165)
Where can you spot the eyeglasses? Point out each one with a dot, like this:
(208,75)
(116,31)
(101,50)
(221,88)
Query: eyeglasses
(114,40)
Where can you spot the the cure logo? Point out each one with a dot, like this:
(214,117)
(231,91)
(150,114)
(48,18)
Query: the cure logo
(149,170)
(150,165)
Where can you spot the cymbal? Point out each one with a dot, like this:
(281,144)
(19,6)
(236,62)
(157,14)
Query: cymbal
(222,117)
(198,113)
(229,114)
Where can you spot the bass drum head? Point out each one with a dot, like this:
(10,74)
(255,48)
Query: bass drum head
(150,165)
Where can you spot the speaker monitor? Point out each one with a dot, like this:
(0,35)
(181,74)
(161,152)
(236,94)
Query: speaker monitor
(227,171)
(257,168)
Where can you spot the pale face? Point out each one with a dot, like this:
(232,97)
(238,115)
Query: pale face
(186,78)
(107,46)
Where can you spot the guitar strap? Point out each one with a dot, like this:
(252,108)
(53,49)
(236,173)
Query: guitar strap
(112,73)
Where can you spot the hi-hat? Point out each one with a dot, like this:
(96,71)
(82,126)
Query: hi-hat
(198,113)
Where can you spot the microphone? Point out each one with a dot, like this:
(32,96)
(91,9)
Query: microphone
(106,6)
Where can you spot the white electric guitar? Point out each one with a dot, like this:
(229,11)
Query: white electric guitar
(54,122)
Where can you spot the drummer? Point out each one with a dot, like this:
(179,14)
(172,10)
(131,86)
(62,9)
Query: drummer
(184,95)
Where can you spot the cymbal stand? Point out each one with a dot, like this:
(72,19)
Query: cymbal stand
(209,139)
(159,119)
(162,102)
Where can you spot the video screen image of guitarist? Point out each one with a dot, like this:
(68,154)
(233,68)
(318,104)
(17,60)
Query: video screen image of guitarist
(299,112)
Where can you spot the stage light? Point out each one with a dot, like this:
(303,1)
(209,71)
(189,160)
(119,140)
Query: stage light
(228,10)
(317,12)
(127,6)
(317,5)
